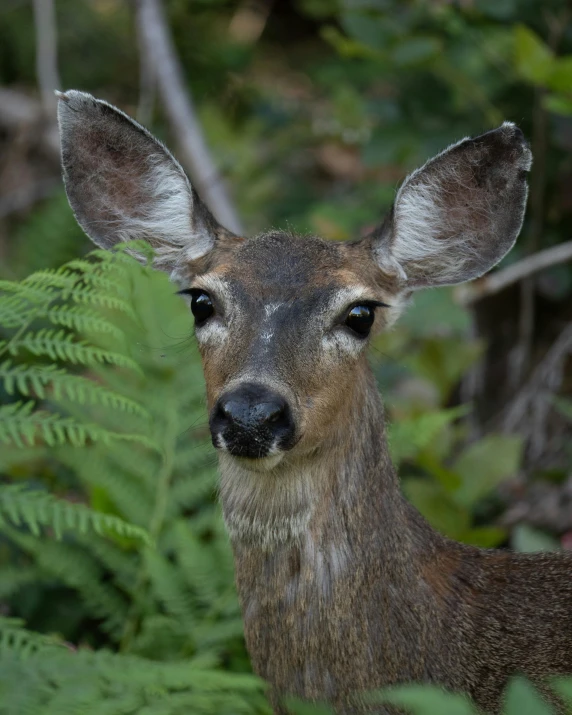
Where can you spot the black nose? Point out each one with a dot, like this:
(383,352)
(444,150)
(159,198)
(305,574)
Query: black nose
(252,420)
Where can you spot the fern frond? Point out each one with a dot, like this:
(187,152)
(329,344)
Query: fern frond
(21,426)
(13,578)
(123,253)
(201,572)
(192,489)
(81,319)
(169,587)
(25,292)
(59,345)
(193,455)
(122,563)
(15,313)
(32,381)
(14,637)
(80,273)
(208,635)
(36,508)
(75,568)
(41,295)
(124,490)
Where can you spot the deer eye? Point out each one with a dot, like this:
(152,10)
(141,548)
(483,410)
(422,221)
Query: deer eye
(360,319)
(201,305)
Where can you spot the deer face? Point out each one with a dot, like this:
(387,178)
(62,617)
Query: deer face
(283,322)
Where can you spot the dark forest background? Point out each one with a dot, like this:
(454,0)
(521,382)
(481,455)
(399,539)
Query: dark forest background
(116,591)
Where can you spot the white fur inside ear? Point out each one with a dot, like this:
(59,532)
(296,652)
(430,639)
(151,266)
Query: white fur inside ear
(420,219)
(165,218)
(123,184)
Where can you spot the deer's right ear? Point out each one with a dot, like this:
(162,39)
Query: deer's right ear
(456,217)
(123,184)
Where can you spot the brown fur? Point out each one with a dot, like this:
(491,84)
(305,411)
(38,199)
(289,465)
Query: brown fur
(409,605)
(370,595)
(344,587)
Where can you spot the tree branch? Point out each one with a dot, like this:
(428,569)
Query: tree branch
(158,44)
(47,54)
(495,282)
(18,110)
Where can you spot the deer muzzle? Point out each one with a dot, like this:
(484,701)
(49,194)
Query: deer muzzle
(252,421)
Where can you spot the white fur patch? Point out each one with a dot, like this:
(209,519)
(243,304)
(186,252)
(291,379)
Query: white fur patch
(215,330)
(338,342)
(165,218)
(268,507)
(420,218)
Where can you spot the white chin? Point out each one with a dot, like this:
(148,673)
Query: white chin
(262,464)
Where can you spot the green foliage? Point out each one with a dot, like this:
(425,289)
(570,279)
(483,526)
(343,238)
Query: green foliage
(526,539)
(34,509)
(133,536)
(426,700)
(444,476)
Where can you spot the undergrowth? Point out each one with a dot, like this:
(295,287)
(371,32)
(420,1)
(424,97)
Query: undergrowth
(115,572)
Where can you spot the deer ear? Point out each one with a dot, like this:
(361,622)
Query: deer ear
(459,214)
(123,184)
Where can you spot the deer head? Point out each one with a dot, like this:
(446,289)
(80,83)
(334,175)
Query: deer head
(282,321)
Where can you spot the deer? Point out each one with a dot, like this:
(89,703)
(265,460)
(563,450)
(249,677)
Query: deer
(344,587)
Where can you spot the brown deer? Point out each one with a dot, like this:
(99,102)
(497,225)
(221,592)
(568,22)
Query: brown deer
(344,587)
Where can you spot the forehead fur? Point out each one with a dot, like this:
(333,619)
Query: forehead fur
(281,265)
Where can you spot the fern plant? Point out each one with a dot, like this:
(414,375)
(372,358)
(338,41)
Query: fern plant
(107,499)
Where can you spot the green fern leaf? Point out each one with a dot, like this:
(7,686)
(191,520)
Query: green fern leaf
(44,381)
(74,567)
(36,508)
(13,578)
(21,426)
(14,637)
(82,319)
(59,345)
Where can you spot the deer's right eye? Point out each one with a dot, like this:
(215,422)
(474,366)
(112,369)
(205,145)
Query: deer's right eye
(201,306)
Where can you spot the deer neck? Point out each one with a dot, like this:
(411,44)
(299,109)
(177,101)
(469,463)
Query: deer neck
(327,540)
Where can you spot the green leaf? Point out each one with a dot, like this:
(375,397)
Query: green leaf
(449,480)
(426,700)
(528,540)
(560,79)
(437,507)
(407,437)
(416,50)
(35,508)
(564,406)
(563,687)
(521,698)
(486,537)
(485,464)
(444,361)
(557,104)
(533,59)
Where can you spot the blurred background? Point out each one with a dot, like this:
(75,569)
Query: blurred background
(300,114)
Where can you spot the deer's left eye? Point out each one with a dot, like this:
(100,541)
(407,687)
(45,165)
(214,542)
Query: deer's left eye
(360,319)
(202,306)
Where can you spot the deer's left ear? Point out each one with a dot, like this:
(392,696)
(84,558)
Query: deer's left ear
(459,214)
(123,184)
